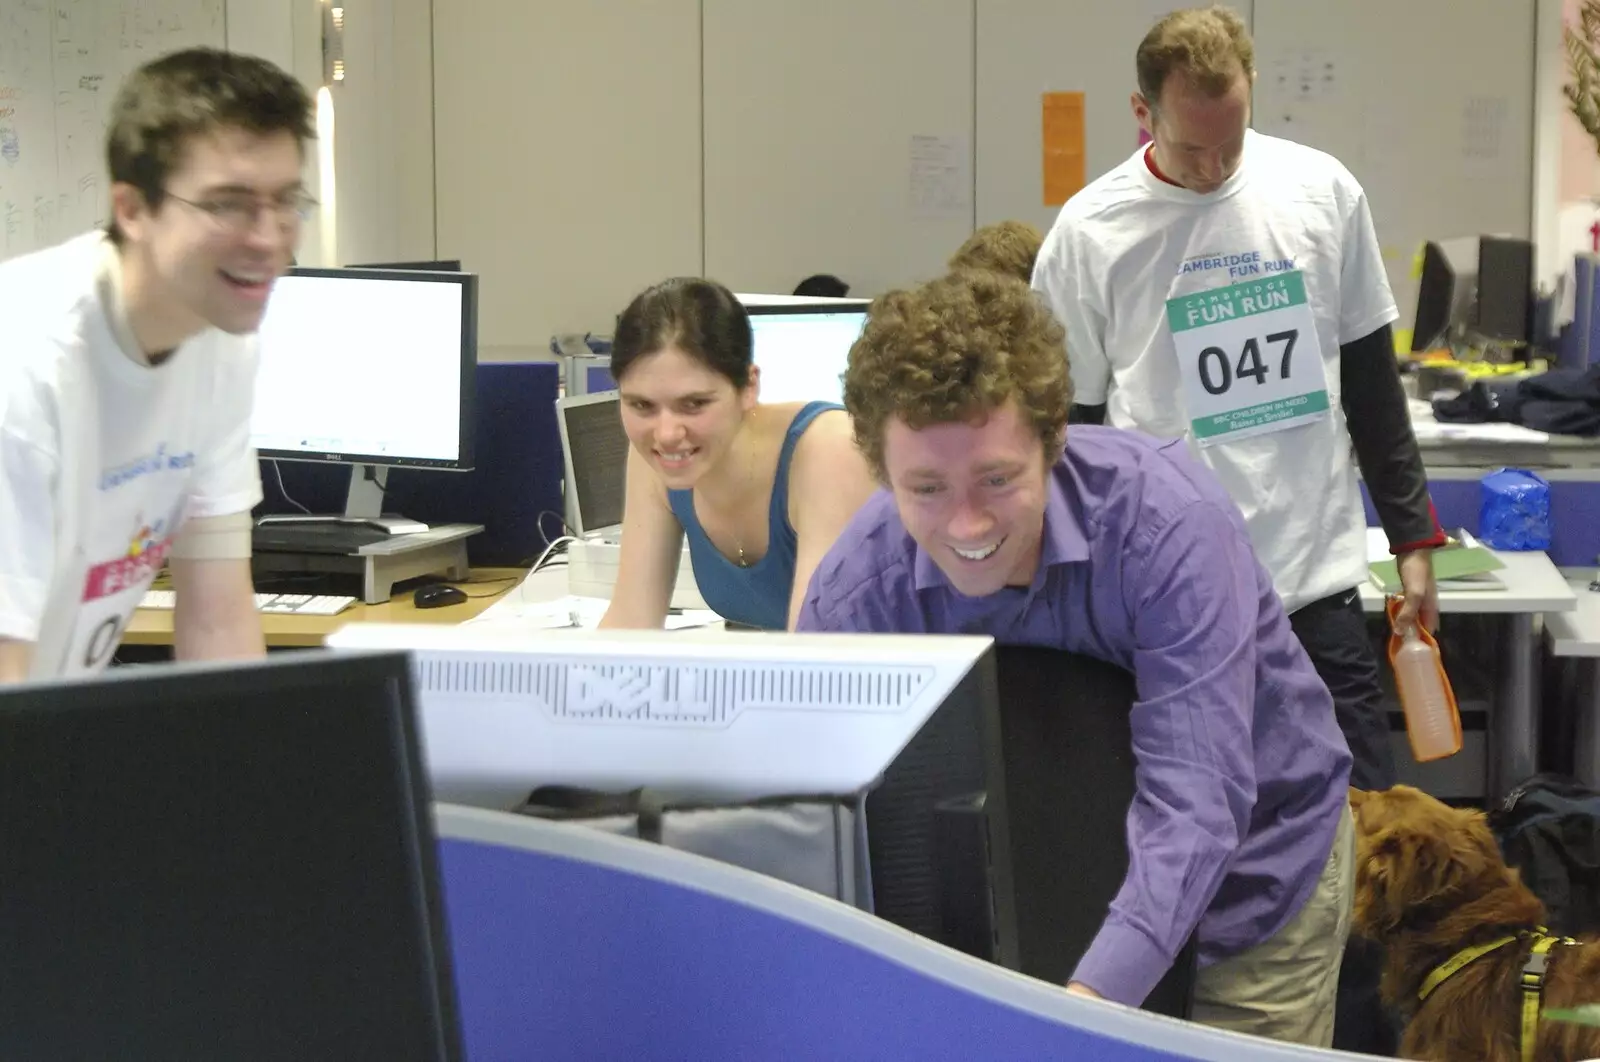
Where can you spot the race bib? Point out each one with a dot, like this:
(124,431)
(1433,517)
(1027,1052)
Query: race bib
(111,590)
(1250,358)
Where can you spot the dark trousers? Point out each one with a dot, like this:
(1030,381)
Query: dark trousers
(1334,633)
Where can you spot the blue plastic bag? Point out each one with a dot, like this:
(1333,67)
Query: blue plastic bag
(1515,513)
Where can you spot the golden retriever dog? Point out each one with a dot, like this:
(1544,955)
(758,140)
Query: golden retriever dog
(1430,883)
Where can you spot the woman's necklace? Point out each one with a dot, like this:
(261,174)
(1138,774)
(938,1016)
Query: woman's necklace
(738,543)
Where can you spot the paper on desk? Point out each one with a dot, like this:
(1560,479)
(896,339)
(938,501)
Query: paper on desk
(1431,431)
(513,613)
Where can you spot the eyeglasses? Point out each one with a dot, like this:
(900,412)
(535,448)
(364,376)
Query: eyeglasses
(239,213)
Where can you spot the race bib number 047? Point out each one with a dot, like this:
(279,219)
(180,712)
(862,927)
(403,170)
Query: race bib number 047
(1250,358)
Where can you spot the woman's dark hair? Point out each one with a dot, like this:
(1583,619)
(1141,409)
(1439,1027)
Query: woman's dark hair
(700,317)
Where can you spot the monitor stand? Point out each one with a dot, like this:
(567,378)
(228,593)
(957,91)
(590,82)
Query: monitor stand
(407,550)
(363,506)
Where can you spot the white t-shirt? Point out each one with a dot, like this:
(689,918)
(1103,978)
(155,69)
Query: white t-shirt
(103,459)
(1129,242)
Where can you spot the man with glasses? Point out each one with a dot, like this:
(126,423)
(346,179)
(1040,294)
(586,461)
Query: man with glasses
(128,367)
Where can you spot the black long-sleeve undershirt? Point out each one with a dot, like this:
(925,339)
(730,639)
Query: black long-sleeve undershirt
(1385,446)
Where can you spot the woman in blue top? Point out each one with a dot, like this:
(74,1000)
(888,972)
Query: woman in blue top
(761,491)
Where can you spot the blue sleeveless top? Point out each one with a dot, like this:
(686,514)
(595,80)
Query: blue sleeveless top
(757,596)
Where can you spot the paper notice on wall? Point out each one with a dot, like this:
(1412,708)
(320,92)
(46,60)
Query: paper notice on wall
(1483,129)
(1062,146)
(941,177)
(1304,76)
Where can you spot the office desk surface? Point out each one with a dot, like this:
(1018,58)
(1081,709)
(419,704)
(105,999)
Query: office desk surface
(1532,584)
(486,586)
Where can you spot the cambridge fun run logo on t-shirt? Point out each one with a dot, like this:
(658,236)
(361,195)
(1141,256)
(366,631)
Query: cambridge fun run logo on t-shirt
(141,547)
(1239,266)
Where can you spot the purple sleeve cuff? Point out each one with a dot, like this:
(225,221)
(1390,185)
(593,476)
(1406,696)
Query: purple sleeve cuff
(1122,964)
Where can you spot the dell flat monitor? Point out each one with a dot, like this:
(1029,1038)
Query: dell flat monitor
(594,451)
(993,826)
(221,863)
(371,368)
(803,350)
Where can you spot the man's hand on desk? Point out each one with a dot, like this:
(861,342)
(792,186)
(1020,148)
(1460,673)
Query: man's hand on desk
(1420,589)
(1078,988)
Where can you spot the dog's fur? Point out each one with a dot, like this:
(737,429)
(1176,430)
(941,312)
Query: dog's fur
(1430,882)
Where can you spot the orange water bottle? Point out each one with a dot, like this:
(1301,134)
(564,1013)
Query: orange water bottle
(1433,722)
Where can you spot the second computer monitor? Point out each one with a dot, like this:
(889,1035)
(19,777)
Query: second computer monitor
(1474,289)
(802,351)
(368,367)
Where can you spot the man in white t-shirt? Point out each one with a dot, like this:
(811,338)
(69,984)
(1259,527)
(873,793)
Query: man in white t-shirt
(128,371)
(1226,287)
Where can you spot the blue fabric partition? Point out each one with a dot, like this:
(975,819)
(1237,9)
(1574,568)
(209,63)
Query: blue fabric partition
(572,944)
(1574,515)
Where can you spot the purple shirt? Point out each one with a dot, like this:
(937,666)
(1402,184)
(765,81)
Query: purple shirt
(1241,770)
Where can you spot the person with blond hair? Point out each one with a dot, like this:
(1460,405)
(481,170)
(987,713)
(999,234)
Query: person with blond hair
(1008,247)
(998,519)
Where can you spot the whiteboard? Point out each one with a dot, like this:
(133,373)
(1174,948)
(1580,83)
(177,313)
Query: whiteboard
(1428,102)
(61,63)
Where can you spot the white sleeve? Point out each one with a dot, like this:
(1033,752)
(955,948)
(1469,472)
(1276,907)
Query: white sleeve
(27,533)
(227,477)
(1058,275)
(1365,302)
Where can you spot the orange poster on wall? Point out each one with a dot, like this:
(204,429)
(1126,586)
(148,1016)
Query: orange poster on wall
(1065,162)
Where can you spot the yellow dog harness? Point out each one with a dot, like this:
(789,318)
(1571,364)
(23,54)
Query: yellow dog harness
(1532,980)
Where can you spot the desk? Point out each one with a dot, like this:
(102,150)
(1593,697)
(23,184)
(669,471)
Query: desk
(1534,585)
(1482,447)
(487,585)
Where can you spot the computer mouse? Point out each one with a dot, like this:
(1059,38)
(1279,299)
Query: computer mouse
(437,596)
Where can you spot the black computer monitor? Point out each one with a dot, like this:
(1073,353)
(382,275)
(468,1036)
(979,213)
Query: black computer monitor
(1001,829)
(221,863)
(1474,288)
(1505,289)
(997,781)
(440,265)
(373,368)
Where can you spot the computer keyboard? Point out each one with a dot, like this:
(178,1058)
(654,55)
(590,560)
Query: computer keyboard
(297,604)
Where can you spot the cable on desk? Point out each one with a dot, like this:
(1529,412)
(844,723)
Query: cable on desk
(549,558)
(552,548)
(566,532)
